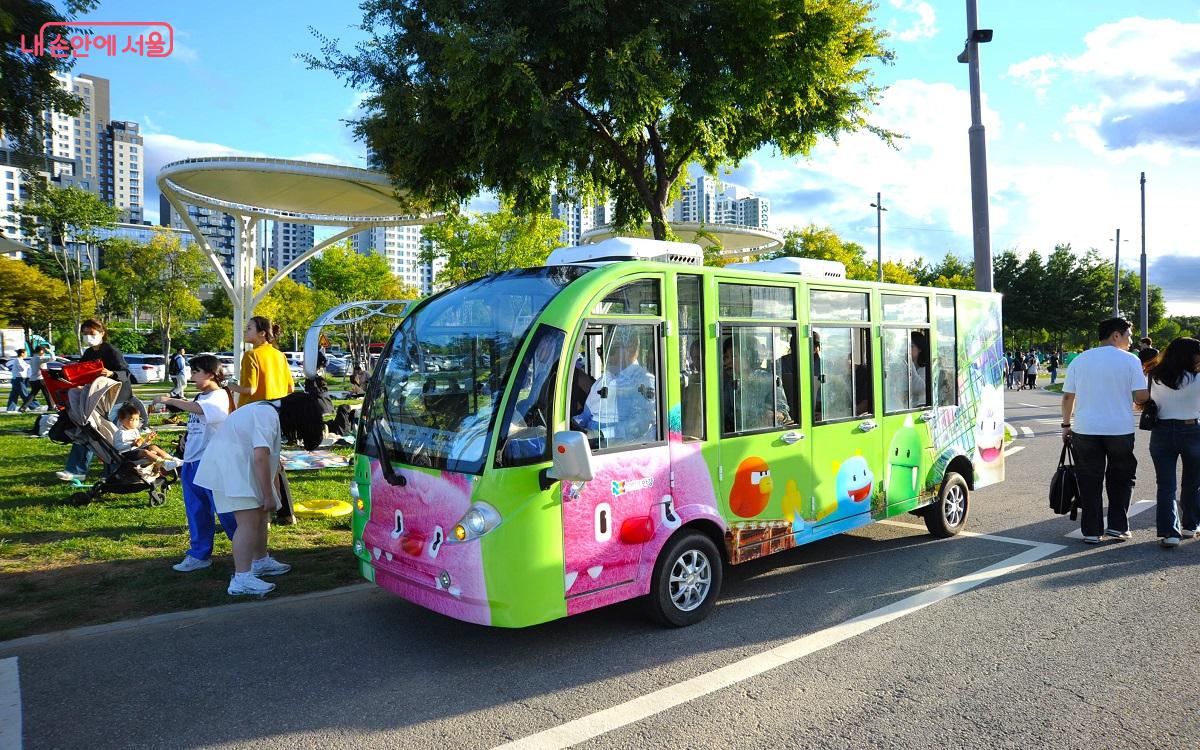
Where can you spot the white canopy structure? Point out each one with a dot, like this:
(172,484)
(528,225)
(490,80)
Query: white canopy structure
(254,189)
(735,239)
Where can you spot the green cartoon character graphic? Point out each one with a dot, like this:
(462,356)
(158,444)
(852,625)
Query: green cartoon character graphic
(904,464)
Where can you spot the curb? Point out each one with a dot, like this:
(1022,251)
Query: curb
(188,615)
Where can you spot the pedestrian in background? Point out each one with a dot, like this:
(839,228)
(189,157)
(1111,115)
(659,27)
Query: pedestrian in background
(177,369)
(1097,420)
(206,413)
(1052,367)
(1175,387)
(1018,370)
(1031,371)
(1147,353)
(1008,371)
(18,367)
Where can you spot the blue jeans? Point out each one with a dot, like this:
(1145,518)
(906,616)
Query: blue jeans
(198,505)
(1053,375)
(17,394)
(80,457)
(1170,441)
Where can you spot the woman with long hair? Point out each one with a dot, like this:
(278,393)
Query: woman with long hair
(206,413)
(242,468)
(1175,387)
(95,336)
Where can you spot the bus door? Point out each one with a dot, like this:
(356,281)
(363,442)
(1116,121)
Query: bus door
(847,444)
(908,360)
(606,521)
(765,474)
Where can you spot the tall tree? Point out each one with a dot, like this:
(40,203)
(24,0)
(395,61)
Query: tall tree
(173,277)
(340,275)
(27,83)
(64,222)
(613,99)
(477,245)
(29,298)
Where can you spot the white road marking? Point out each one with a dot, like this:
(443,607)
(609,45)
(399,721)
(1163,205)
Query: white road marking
(601,722)
(1014,449)
(1033,406)
(10,705)
(1134,509)
(1026,431)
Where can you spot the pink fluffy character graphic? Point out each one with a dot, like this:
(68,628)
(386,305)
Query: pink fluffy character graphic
(408,534)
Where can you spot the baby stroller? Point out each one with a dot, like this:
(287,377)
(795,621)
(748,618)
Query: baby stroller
(84,421)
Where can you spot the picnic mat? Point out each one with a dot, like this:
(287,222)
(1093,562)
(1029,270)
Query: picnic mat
(318,459)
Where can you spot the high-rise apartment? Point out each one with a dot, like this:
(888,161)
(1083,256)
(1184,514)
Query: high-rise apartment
(219,228)
(401,247)
(288,241)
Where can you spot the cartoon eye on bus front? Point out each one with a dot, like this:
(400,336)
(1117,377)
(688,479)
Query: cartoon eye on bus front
(627,423)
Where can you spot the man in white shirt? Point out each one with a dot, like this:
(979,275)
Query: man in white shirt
(1097,392)
(622,407)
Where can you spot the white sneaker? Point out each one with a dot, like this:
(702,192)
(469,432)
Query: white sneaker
(1188,533)
(67,476)
(171,464)
(269,566)
(247,584)
(189,563)
(1169,541)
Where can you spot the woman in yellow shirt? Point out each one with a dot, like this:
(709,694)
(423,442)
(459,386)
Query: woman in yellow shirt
(265,377)
(264,374)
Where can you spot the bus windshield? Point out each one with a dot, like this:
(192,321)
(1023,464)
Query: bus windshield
(440,380)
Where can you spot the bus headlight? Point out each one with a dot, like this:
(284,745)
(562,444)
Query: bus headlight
(479,519)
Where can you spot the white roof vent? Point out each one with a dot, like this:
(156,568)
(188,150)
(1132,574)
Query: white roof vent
(810,267)
(627,248)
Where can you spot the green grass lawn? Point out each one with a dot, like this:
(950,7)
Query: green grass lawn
(63,566)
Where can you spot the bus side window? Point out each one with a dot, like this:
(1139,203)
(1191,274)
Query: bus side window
(528,419)
(691,358)
(842,369)
(947,352)
(752,394)
(622,408)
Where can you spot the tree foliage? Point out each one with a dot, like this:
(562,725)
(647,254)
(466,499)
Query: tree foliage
(340,275)
(63,222)
(29,298)
(477,245)
(523,97)
(824,244)
(27,83)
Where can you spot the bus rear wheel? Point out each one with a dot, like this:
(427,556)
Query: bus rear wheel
(687,580)
(948,515)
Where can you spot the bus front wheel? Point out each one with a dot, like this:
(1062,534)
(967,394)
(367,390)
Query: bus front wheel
(948,515)
(687,580)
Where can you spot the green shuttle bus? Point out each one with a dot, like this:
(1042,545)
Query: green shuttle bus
(625,422)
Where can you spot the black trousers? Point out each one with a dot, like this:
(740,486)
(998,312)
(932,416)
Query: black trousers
(1104,462)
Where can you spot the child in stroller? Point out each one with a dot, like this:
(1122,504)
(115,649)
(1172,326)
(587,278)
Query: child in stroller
(135,445)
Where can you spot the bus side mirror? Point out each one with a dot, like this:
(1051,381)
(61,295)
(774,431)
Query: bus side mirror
(572,457)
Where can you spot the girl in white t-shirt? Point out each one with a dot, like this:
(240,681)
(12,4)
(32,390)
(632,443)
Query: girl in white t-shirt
(241,467)
(1175,387)
(206,412)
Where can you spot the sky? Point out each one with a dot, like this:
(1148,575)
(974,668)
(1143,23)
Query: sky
(1079,98)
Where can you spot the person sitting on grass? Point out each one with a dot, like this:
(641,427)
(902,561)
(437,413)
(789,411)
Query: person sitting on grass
(136,445)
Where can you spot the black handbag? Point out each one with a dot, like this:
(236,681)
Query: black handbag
(1149,418)
(1064,487)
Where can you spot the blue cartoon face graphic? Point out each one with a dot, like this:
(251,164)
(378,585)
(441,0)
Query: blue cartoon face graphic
(854,481)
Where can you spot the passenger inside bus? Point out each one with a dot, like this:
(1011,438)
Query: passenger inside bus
(622,406)
(751,398)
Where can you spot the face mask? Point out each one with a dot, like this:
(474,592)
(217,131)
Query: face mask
(92,339)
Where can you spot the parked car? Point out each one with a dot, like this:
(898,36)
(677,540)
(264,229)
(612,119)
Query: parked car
(338,366)
(147,368)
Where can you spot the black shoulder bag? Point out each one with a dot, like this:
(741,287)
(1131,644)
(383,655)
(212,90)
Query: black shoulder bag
(1064,487)
(1149,419)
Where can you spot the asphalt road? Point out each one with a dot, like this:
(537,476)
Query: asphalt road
(1086,647)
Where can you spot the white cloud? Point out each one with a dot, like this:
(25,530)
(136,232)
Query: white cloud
(1146,75)
(924,26)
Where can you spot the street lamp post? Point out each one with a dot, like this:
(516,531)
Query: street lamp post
(1145,316)
(978,148)
(1117,275)
(879,209)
